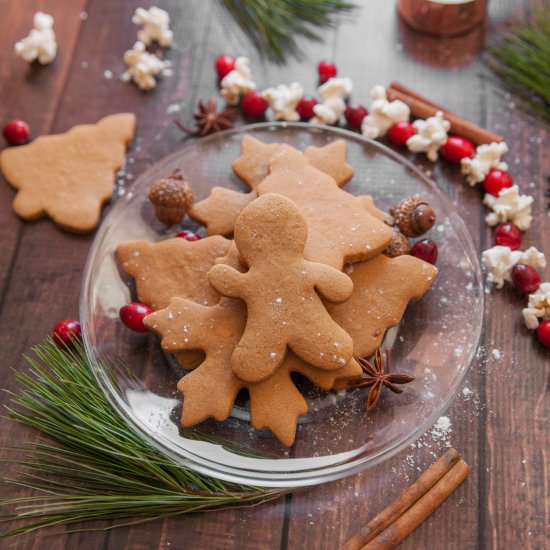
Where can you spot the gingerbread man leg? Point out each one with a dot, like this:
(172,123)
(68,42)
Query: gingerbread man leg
(259,353)
(336,342)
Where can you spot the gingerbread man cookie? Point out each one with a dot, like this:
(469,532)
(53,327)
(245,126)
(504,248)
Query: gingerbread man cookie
(382,288)
(282,292)
(339,227)
(68,177)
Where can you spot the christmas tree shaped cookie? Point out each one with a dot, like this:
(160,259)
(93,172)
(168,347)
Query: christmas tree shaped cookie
(174,267)
(339,227)
(253,164)
(282,292)
(382,288)
(69,176)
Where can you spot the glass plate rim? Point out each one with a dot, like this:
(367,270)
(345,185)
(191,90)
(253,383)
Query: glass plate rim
(307,476)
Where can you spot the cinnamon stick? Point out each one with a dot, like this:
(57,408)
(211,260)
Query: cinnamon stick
(422,107)
(413,505)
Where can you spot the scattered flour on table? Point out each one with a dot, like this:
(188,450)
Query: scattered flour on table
(496,353)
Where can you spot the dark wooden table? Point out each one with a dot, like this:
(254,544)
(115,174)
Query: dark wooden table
(501,427)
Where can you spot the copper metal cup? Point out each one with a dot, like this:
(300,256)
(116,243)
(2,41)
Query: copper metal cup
(443,17)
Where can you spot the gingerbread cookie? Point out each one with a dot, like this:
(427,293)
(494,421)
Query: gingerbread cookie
(232,258)
(382,288)
(282,292)
(174,267)
(220,210)
(331,159)
(210,390)
(69,176)
(252,165)
(368,204)
(339,228)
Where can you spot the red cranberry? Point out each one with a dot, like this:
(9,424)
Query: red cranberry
(305,108)
(17,132)
(425,250)
(543,333)
(400,132)
(508,234)
(525,278)
(189,236)
(225,63)
(457,148)
(355,116)
(132,316)
(253,104)
(496,181)
(66,333)
(326,70)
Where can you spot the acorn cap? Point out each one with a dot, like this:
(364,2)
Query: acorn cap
(398,246)
(172,198)
(413,216)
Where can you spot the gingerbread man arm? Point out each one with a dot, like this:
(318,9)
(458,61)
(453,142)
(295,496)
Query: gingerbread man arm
(333,285)
(228,281)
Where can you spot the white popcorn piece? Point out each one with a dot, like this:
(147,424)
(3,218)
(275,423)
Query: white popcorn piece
(40,44)
(499,261)
(143,66)
(156,26)
(487,156)
(237,82)
(538,307)
(383,114)
(283,100)
(509,206)
(430,135)
(332,92)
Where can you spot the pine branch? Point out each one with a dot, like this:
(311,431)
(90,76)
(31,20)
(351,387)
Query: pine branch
(96,467)
(521,58)
(274,25)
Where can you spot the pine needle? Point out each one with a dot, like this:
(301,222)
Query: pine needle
(521,58)
(274,25)
(93,465)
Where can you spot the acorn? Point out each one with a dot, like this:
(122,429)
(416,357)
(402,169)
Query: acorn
(172,197)
(413,216)
(398,246)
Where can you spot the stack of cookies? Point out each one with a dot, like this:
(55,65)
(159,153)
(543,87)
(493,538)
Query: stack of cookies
(303,286)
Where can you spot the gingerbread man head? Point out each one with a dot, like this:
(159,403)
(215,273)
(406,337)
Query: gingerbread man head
(268,228)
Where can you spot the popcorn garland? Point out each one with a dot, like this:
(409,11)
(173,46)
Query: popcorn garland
(156,26)
(143,66)
(40,44)
(428,136)
(238,82)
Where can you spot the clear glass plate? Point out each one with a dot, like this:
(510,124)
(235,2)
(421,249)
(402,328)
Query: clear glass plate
(435,342)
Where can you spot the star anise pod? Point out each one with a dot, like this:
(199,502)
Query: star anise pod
(376,377)
(208,120)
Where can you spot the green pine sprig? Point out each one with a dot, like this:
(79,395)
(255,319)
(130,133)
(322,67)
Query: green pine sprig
(274,25)
(92,465)
(521,58)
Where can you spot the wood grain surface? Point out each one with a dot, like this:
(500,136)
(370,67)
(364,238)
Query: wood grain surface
(502,427)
